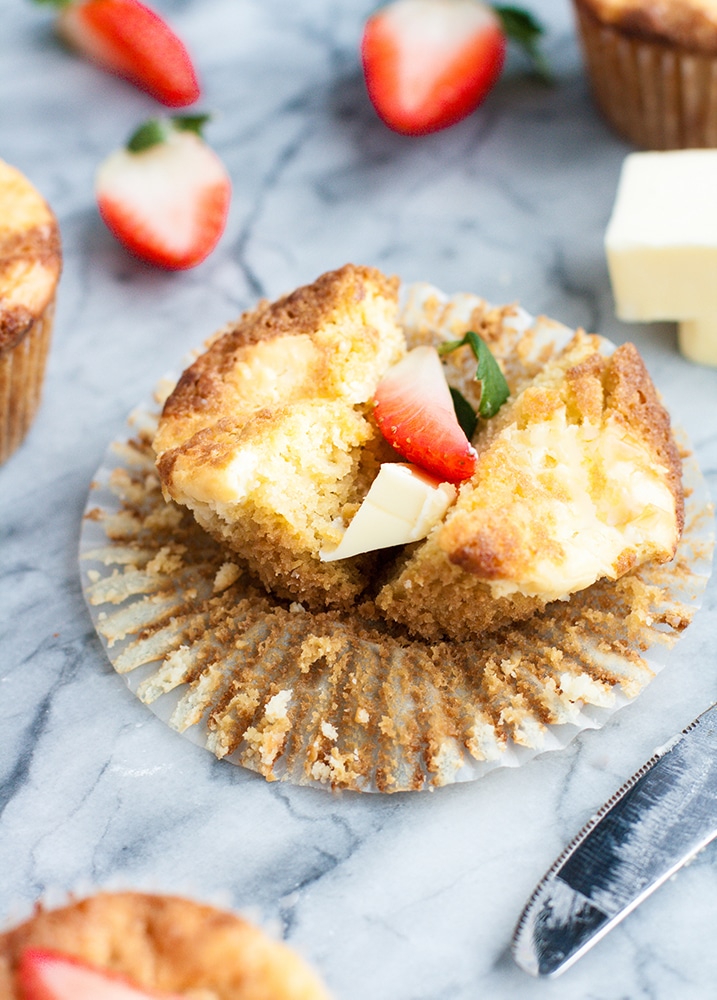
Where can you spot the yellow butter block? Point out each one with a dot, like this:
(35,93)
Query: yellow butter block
(661,245)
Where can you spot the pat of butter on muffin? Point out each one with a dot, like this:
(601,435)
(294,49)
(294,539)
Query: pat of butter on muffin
(661,245)
(402,506)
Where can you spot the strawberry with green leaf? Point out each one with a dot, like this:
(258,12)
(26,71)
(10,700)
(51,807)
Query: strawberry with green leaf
(166,195)
(50,975)
(414,411)
(429,423)
(429,63)
(131,40)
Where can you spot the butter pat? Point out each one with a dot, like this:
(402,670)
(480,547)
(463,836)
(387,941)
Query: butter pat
(661,245)
(402,506)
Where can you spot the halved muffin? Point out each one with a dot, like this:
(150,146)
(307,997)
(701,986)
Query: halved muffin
(268,436)
(578,479)
(269,439)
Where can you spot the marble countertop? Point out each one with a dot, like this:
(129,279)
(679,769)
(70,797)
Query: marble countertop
(406,896)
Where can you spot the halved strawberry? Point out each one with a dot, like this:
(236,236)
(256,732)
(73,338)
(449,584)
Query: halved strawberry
(414,410)
(49,975)
(429,63)
(166,195)
(133,41)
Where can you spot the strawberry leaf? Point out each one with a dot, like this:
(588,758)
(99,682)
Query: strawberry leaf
(465,414)
(522,28)
(494,388)
(156,130)
(151,133)
(190,123)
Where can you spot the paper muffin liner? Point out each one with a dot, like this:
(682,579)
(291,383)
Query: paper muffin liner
(22,373)
(352,701)
(656,95)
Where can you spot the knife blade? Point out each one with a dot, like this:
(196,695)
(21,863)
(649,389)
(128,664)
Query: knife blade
(657,822)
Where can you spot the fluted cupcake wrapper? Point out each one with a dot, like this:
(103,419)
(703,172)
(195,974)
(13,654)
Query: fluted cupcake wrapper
(22,373)
(656,95)
(351,701)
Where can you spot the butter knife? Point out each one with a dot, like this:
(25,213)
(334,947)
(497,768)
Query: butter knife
(657,822)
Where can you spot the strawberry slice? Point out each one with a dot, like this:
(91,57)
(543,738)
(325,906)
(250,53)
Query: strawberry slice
(414,410)
(166,195)
(49,975)
(429,63)
(131,40)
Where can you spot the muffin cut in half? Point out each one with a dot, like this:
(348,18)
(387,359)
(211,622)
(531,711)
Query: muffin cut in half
(268,436)
(578,479)
(269,439)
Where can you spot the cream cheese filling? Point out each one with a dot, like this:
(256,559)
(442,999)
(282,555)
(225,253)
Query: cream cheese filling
(601,500)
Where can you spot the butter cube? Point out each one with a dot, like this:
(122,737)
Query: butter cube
(402,506)
(661,245)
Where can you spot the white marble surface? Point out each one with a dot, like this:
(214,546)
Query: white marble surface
(404,897)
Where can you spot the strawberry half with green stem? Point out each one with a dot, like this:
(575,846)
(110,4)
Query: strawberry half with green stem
(166,195)
(429,63)
(131,40)
(414,411)
(50,975)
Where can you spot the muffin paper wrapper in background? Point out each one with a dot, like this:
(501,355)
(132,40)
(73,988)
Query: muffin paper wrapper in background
(22,373)
(658,96)
(342,701)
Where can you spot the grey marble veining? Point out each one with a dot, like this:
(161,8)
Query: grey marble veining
(407,897)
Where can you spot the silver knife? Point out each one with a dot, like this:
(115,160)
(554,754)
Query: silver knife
(653,825)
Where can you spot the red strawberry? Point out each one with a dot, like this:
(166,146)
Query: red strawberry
(131,40)
(429,63)
(166,195)
(50,975)
(414,410)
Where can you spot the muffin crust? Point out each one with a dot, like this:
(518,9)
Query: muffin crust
(689,24)
(269,436)
(165,943)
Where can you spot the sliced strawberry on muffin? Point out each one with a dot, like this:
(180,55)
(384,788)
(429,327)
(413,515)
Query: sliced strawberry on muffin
(414,409)
(50,975)
(147,946)
(577,479)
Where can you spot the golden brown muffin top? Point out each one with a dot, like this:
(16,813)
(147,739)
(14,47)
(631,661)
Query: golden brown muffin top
(30,256)
(315,328)
(596,391)
(330,341)
(689,24)
(165,943)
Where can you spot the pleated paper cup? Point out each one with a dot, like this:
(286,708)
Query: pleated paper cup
(657,95)
(352,701)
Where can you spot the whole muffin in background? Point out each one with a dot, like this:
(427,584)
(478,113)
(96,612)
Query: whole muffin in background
(653,68)
(164,944)
(30,265)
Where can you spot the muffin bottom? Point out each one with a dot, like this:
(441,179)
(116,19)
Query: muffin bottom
(656,95)
(22,372)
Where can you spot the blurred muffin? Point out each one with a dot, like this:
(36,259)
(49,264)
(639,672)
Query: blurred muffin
(268,437)
(165,944)
(653,68)
(30,264)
